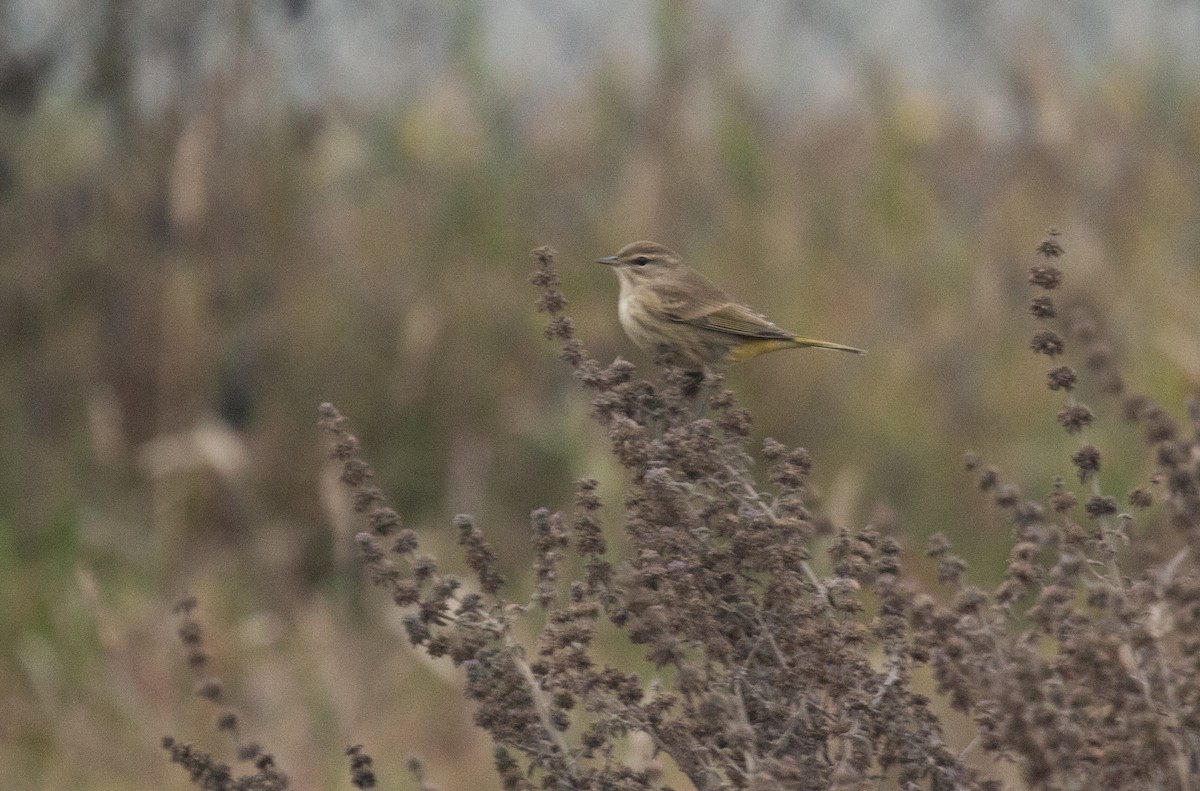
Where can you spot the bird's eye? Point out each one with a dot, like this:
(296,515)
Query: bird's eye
(641,260)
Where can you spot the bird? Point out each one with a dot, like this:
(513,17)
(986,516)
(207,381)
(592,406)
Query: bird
(665,305)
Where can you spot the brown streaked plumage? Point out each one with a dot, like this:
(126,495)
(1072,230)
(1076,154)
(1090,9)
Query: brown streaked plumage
(665,303)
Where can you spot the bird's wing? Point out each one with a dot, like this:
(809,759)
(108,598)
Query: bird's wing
(721,316)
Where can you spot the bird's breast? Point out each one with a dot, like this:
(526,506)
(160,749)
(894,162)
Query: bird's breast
(625,308)
(638,322)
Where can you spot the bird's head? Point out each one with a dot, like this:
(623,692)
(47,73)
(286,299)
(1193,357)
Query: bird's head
(643,262)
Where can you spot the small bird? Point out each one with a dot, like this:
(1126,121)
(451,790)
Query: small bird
(664,303)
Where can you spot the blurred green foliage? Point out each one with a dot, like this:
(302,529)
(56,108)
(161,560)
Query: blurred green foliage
(179,292)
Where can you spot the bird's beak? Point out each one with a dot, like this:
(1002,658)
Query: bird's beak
(608,260)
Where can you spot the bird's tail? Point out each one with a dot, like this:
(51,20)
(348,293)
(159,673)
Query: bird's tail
(758,346)
(826,345)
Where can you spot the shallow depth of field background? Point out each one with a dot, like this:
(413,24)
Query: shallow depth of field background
(215,216)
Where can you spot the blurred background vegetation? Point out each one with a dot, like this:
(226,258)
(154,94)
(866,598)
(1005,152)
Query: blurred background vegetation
(215,216)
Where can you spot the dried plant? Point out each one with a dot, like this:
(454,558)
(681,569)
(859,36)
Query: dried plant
(1080,672)
(1075,669)
(205,770)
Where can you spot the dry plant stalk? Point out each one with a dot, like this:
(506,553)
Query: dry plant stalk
(1077,670)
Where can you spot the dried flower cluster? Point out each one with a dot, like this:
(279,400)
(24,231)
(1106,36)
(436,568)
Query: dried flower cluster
(204,770)
(1074,669)
(772,677)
